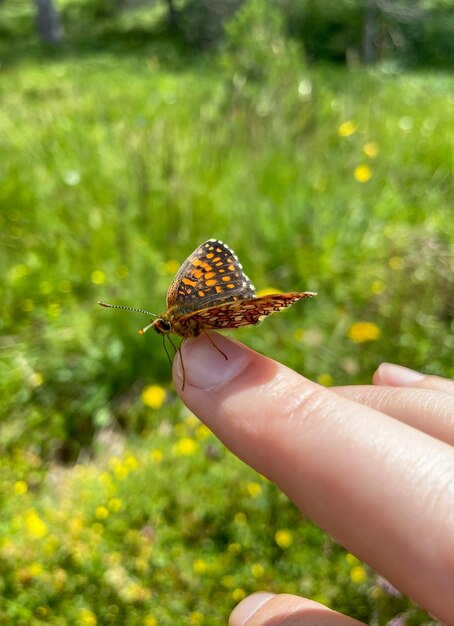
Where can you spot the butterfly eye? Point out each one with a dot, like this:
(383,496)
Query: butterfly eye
(165,326)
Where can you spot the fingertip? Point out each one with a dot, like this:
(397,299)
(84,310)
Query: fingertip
(209,362)
(393,375)
(264,609)
(247,607)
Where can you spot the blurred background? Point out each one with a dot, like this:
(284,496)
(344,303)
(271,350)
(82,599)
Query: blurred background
(313,137)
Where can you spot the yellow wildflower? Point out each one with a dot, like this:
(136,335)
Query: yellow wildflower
(150,620)
(115,504)
(358,574)
(360,332)
(196,618)
(153,396)
(352,559)
(97,528)
(191,421)
(35,525)
(98,277)
(378,287)
(362,173)
(87,617)
(267,291)
(54,309)
(20,487)
(234,548)
(325,379)
(131,462)
(120,471)
(101,513)
(180,429)
(254,489)
(283,538)
(240,519)
(42,611)
(35,569)
(228,581)
(200,566)
(238,594)
(396,263)
(370,149)
(347,128)
(202,432)
(186,447)
(257,570)
(156,455)
(75,525)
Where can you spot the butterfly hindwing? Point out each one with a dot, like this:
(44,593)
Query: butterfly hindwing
(245,312)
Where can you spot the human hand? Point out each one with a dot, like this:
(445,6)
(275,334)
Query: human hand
(371,465)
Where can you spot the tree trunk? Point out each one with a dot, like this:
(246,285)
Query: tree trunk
(48,22)
(171,15)
(370,32)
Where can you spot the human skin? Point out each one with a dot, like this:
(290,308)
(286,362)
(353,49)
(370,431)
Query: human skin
(371,465)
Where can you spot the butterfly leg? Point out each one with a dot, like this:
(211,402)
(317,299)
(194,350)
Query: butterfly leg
(176,350)
(165,348)
(182,364)
(213,344)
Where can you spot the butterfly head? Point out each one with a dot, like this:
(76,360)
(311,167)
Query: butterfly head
(161,326)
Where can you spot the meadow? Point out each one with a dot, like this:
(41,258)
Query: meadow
(117,505)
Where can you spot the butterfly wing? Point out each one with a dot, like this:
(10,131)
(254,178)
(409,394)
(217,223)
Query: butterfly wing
(211,275)
(245,312)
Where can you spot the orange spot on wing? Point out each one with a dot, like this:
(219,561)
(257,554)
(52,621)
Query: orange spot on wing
(210,255)
(201,293)
(218,289)
(230,285)
(225,278)
(210,283)
(217,259)
(187,281)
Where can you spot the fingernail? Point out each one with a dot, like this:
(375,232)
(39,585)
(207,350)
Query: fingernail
(397,375)
(247,607)
(205,365)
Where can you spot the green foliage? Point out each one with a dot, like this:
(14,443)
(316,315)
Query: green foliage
(113,543)
(412,33)
(116,168)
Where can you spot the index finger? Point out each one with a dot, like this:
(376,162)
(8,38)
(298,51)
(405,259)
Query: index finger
(375,484)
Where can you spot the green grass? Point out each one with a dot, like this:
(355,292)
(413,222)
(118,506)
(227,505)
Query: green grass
(114,168)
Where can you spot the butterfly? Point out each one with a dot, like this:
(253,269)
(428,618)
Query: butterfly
(211,292)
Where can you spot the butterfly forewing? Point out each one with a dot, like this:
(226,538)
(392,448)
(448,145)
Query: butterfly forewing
(245,312)
(210,276)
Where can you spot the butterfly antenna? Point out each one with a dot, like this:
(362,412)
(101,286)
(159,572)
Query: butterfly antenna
(142,331)
(126,308)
